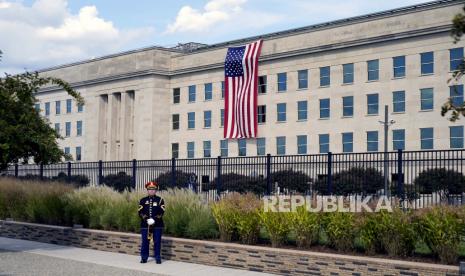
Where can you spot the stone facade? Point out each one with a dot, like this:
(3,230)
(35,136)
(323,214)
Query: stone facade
(256,258)
(129,96)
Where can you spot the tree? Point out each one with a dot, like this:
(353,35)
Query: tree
(24,133)
(458,29)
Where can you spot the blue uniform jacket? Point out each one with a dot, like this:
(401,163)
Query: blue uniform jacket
(151,207)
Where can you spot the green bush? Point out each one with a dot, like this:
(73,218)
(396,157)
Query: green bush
(78,180)
(278,226)
(225,216)
(440,180)
(293,181)
(201,224)
(442,229)
(356,180)
(120,182)
(340,228)
(306,226)
(165,180)
(233,182)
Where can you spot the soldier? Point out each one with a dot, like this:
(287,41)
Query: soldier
(151,210)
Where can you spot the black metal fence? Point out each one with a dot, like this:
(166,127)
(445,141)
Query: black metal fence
(414,178)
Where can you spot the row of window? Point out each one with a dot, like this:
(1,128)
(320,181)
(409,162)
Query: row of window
(78,152)
(398,101)
(68,128)
(69,107)
(456,134)
(398,68)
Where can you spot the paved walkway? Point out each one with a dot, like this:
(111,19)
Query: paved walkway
(20,257)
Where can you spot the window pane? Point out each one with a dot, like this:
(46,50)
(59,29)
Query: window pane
(176,95)
(262,84)
(222,117)
(302,110)
(324,108)
(191,120)
(224,148)
(325,76)
(242,144)
(281,145)
(206,149)
(372,140)
(207,118)
(426,97)
(192,93)
(190,149)
(399,66)
(398,139)
(281,107)
(427,63)
(456,58)
(175,150)
(261,146)
(208,91)
(175,121)
(282,82)
(303,79)
(456,136)
(261,113)
(57,107)
(348,73)
(302,144)
(398,100)
(426,135)
(324,143)
(456,94)
(348,106)
(347,142)
(373,104)
(373,70)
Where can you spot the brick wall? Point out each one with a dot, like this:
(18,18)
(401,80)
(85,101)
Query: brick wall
(256,258)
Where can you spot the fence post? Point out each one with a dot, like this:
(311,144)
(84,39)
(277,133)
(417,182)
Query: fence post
(268,174)
(69,172)
(100,172)
(173,172)
(330,177)
(41,170)
(16,170)
(218,178)
(400,176)
(134,173)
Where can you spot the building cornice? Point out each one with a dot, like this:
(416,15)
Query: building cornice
(265,58)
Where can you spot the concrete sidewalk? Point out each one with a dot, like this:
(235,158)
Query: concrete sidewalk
(20,257)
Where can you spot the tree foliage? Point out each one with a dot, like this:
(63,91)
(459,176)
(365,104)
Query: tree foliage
(24,133)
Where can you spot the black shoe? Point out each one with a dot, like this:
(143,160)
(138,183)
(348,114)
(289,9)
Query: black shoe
(158,261)
(143,261)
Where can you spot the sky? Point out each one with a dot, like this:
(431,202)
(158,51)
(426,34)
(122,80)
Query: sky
(36,34)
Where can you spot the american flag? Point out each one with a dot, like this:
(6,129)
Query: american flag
(240,105)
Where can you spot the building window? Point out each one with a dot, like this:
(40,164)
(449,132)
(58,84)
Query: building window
(456,137)
(398,139)
(175,150)
(37,107)
(426,136)
(69,105)
(222,89)
(372,104)
(347,142)
(372,140)
(47,109)
(261,147)
(79,128)
(323,140)
(348,106)
(301,144)
(57,107)
(242,146)
(262,85)
(57,128)
(261,114)
(207,149)
(80,107)
(324,108)
(348,73)
(302,110)
(325,77)
(222,117)
(398,101)
(281,145)
(282,82)
(399,66)
(175,121)
(427,63)
(67,150)
(207,119)
(456,94)
(190,149)
(208,91)
(68,129)
(456,58)
(426,98)
(176,95)
(302,76)
(373,70)
(78,154)
(191,120)
(224,148)
(192,93)
(281,107)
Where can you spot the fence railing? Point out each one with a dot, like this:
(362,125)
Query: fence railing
(414,178)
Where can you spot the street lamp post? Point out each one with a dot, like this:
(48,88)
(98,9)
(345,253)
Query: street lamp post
(386,124)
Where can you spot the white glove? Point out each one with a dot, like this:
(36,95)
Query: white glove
(150,221)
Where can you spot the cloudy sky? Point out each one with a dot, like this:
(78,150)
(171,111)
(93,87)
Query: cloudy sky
(36,34)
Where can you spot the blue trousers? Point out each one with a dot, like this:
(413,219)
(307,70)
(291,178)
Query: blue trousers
(144,250)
